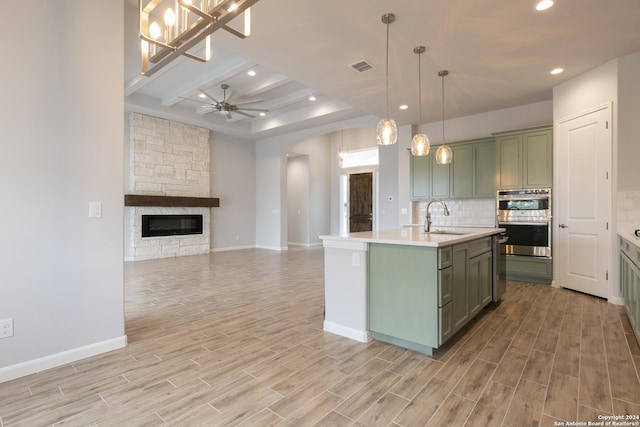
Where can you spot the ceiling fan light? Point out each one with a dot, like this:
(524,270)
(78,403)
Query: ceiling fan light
(387,132)
(420,145)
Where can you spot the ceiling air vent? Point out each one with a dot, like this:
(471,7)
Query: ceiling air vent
(361,66)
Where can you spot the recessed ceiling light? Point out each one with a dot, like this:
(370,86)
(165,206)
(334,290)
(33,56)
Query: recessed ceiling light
(202,95)
(544,5)
(557,70)
(312,98)
(404,107)
(262,114)
(251,73)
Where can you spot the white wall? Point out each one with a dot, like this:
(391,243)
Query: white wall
(298,200)
(595,88)
(233,181)
(629,123)
(62,138)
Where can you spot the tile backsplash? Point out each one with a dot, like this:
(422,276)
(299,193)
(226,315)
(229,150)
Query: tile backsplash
(464,213)
(628,210)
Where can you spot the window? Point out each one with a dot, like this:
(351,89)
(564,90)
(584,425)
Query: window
(355,158)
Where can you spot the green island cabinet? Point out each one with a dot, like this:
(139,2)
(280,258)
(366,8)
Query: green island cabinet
(630,282)
(471,174)
(420,296)
(524,158)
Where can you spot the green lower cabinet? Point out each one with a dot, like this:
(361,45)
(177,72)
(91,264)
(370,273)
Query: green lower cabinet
(529,269)
(480,282)
(460,285)
(403,295)
(630,283)
(420,296)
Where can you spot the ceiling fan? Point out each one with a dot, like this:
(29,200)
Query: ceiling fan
(226,105)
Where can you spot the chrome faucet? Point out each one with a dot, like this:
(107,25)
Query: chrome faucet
(427,217)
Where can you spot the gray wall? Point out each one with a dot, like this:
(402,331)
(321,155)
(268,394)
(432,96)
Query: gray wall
(629,123)
(62,139)
(233,180)
(298,200)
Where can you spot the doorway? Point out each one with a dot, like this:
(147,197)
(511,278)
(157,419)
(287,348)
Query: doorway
(360,202)
(583,206)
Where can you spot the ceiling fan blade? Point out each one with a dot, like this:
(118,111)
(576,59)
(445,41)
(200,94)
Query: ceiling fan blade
(206,103)
(209,96)
(254,109)
(249,102)
(244,114)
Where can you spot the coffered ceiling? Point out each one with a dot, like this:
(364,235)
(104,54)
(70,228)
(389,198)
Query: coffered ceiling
(499,55)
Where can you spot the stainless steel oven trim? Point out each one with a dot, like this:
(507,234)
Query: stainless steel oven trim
(535,217)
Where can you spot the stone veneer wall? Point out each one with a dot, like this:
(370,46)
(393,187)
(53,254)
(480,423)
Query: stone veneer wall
(167,158)
(464,213)
(628,210)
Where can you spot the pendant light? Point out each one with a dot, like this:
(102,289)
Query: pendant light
(420,142)
(443,154)
(387,131)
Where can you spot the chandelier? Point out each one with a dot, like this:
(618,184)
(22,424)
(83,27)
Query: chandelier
(171,28)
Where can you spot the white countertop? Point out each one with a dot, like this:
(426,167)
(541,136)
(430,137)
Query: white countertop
(629,236)
(415,236)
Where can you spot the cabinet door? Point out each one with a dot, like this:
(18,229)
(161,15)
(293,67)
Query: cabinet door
(462,172)
(445,286)
(537,155)
(485,279)
(460,276)
(484,169)
(509,158)
(439,179)
(420,177)
(446,323)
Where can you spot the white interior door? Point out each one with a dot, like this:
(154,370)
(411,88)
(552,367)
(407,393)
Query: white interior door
(583,202)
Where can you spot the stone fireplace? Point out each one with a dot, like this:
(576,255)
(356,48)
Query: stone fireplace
(166,158)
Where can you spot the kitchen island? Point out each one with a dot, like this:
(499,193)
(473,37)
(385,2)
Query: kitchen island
(407,287)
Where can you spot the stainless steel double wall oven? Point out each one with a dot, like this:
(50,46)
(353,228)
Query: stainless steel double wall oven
(526,215)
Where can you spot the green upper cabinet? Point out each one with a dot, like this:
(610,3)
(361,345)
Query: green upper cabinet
(471,173)
(484,168)
(524,158)
(439,179)
(420,177)
(461,181)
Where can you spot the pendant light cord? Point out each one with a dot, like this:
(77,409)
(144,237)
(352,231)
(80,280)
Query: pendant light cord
(419,89)
(443,141)
(387,71)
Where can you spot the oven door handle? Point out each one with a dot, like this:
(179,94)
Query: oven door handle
(524,223)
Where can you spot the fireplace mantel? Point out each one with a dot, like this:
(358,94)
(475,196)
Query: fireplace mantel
(171,201)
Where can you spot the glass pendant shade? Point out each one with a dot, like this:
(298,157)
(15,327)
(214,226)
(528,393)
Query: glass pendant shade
(420,145)
(387,132)
(444,155)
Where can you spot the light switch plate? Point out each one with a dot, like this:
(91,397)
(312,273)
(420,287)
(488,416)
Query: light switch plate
(95,210)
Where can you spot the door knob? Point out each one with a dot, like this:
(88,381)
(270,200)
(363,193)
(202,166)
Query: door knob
(563,225)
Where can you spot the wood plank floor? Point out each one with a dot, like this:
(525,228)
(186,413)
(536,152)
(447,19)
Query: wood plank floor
(235,338)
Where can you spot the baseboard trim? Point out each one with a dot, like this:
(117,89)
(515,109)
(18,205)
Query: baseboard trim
(232,248)
(272,248)
(616,300)
(344,331)
(43,363)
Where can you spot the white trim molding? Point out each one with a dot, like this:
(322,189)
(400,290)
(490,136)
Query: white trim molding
(52,361)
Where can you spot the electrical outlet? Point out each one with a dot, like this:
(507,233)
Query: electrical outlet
(6,328)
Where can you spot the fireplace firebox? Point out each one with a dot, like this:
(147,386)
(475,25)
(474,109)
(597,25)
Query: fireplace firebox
(171,225)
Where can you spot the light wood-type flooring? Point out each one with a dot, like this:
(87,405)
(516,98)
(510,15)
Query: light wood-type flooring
(235,338)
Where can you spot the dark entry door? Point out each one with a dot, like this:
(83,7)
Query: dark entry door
(361,202)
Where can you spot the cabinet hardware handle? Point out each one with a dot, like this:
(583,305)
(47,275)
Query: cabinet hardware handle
(563,226)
